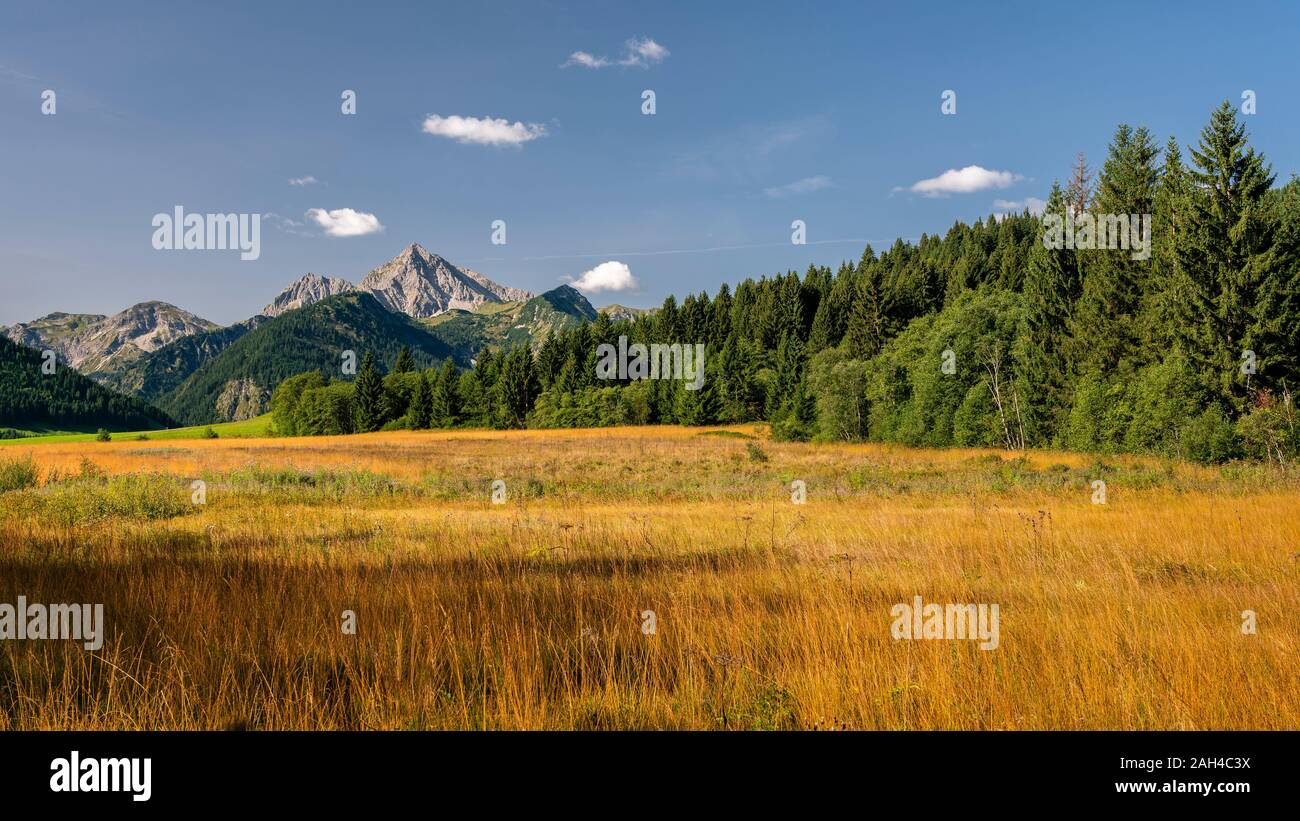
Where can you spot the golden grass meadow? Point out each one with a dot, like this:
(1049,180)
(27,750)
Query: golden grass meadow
(529,614)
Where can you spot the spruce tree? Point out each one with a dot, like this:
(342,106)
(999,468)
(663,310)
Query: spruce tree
(1043,374)
(1105,318)
(445,398)
(421,403)
(516,388)
(1166,291)
(869,325)
(1224,254)
(404,362)
(368,396)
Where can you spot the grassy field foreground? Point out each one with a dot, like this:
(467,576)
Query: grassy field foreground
(529,614)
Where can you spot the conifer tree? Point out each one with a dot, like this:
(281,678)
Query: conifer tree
(515,388)
(1043,374)
(445,397)
(1224,253)
(421,403)
(1105,318)
(404,362)
(368,396)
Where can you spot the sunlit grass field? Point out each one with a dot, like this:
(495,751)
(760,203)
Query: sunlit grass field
(257,426)
(529,614)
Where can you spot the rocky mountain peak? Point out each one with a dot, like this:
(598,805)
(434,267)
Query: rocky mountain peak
(421,284)
(306,290)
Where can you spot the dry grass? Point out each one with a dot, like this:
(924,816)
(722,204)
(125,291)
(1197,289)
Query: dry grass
(527,614)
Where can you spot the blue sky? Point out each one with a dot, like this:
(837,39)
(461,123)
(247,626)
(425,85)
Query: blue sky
(216,106)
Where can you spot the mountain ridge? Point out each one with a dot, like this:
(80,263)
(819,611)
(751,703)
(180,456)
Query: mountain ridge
(95,344)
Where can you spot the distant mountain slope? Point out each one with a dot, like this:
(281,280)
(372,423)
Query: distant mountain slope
(420,284)
(95,344)
(307,290)
(52,331)
(515,323)
(32,400)
(238,383)
(158,372)
(622,313)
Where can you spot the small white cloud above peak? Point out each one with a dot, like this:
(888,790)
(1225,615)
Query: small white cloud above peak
(345,222)
(967,180)
(307,180)
(637,51)
(482,131)
(607,276)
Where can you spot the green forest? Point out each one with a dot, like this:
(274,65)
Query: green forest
(33,400)
(984,336)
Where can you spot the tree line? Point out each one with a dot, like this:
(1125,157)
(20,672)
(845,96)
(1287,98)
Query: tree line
(985,336)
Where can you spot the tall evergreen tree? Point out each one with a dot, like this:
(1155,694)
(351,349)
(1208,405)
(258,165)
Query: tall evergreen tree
(1224,255)
(869,323)
(421,403)
(444,401)
(404,364)
(1105,319)
(1051,277)
(367,402)
(516,388)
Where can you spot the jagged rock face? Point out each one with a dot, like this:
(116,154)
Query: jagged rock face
(94,343)
(241,399)
(310,289)
(420,284)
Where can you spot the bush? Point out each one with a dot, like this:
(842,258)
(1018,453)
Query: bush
(1271,430)
(18,475)
(209,433)
(285,406)
(103,436)
(587,408)
(326,411)
(86,501)
(840,384)
(1210,438)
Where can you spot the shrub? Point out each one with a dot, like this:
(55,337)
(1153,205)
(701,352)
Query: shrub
(286,411)
(1210,438)
(18,475)
(103,435)
(1271,430)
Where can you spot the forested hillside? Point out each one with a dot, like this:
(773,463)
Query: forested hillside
(31,400)
(984,336)
(310,338)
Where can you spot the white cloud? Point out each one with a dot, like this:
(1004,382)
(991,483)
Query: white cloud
(968,180)
(582,58)
(643,51)
(307,180)
(1034,204)
(607,276)
(345,222)
(803,186)
(637,51)
(484,131)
